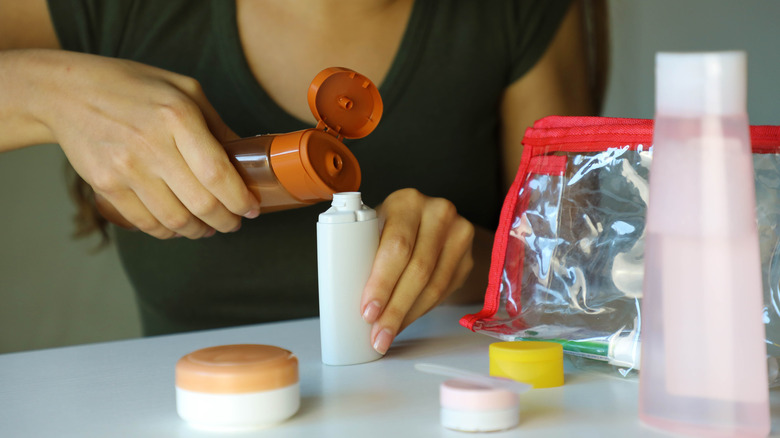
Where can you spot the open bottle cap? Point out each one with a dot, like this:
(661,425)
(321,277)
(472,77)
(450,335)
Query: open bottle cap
(314,164)
(346,103)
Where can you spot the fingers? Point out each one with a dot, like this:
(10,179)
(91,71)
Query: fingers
(202,191)
(110,213)
(148,141)
(125,209)
(166,198)
(396,245)
(423,256)
(193,130)
(216,126)
(153,209)
(167,209)
(208,184)
(455,264)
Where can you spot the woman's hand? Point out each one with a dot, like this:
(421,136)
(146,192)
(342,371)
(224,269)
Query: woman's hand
(424,255)
(146,140)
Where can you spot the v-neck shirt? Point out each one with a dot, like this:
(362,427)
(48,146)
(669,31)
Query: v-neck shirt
(440,134)
(257,100)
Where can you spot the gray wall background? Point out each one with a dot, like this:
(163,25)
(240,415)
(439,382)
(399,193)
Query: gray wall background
(55,291)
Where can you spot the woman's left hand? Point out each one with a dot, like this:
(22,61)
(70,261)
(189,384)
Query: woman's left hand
(424,255)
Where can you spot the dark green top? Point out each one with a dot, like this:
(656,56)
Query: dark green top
(439,133)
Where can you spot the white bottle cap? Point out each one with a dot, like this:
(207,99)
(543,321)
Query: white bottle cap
(624,351)
(694,84)
(347,207)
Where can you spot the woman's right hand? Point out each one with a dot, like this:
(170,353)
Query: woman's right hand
(147,140)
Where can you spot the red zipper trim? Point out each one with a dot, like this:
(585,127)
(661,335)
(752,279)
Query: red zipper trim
(765,139)
(548,165)
(540,164)
(497,257)
(586,134)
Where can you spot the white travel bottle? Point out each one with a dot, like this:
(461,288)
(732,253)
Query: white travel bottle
(704,366)
(347,241)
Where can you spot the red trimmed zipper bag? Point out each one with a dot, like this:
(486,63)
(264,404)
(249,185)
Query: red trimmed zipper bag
(567,262)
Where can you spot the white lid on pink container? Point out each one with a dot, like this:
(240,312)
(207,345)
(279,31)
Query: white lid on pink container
(701,83)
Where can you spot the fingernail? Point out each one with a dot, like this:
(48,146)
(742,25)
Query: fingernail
(252,214)
(371,312)
(210,233)
(383,341)
(238,227)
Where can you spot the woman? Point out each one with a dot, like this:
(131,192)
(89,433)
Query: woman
(140,94)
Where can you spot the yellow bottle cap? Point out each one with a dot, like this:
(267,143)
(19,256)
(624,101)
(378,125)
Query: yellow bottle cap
(534,362)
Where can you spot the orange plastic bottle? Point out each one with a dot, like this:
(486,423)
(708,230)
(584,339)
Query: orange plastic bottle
(305,167)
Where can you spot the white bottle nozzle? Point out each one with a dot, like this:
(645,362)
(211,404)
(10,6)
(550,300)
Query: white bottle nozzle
(347,207)
(347,201)
(624,351)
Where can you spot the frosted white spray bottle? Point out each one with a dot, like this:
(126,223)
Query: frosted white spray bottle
(347,241)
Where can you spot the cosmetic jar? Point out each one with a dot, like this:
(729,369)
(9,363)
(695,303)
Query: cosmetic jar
(237,387)
(537,363)
(471,407)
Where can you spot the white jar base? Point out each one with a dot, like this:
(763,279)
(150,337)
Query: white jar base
(480,421)
(234,412)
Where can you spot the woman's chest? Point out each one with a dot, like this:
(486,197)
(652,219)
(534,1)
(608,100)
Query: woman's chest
(285,47)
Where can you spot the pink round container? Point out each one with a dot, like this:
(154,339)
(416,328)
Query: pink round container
(470,407)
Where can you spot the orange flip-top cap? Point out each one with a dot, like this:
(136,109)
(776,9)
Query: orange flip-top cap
(345,102)
(313,164)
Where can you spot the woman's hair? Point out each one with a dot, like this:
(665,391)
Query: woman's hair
(596,18)
(87,220)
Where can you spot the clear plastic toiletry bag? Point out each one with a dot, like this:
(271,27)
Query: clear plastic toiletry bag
(567,262)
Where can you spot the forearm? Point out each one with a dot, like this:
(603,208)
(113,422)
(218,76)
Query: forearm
(20,123)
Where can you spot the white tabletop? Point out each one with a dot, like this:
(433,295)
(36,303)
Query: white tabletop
(126,388)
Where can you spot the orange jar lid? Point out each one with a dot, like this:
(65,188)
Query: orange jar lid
(234,369)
